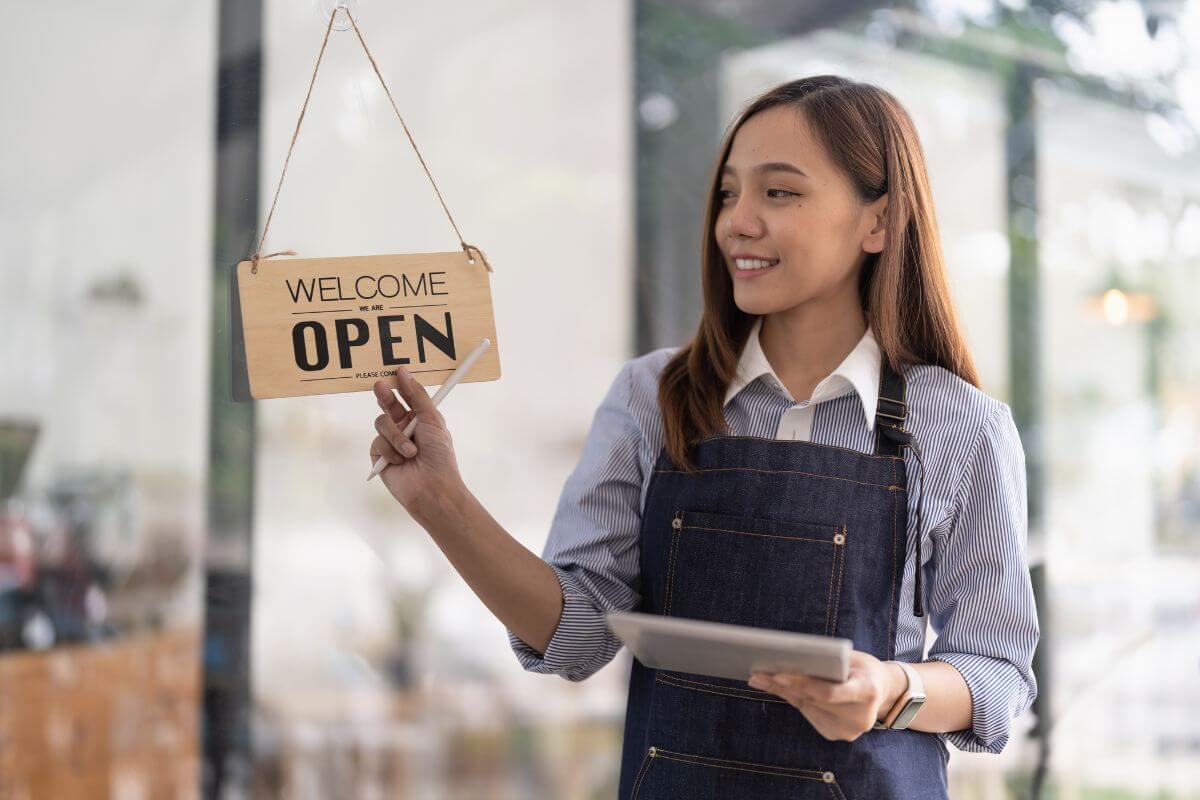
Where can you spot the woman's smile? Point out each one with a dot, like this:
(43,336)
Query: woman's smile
(753,267)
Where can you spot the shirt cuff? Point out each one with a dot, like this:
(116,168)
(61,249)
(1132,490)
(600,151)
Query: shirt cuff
(578,641)
(999,693)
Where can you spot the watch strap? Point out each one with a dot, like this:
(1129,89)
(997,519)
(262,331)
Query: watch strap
(913,694)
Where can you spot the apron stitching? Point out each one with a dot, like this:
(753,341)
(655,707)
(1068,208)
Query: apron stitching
(673,681)
(671,570)
(894,599)
(829,603)
(765,535)
(746,766)
(654,473)
(784,472)
(641,774)
(840,553)
(810,443)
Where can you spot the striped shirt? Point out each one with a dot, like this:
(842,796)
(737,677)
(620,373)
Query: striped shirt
(978,596)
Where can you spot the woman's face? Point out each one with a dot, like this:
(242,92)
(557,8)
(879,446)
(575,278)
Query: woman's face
(782,200)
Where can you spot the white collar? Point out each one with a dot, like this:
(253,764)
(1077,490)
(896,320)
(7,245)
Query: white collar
(858,371)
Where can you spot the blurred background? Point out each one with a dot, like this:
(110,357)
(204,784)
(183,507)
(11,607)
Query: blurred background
(203,598)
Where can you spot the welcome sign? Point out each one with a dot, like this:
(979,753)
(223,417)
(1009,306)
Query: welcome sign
(327,325)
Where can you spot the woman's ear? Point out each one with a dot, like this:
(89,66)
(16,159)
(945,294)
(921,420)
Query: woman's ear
(875,215)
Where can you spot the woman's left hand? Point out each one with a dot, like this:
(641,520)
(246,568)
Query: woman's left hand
(844,710)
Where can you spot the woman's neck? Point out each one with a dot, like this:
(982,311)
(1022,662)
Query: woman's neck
(804,344)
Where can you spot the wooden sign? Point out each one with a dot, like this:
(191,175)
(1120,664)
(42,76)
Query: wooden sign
(327,325)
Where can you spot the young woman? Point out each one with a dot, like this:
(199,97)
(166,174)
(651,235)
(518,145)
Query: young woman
(820,436)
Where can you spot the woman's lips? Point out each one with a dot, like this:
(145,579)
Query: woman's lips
(738,272)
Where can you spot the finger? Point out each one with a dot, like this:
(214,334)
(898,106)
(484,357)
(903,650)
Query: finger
(766,682)
(799,702)
(413,393)
(860,660)
(790,695)
(831,721)
(853,690)
(391,432)
(785,686)
(388,402)
(380,447)
(760,680)
(838,720)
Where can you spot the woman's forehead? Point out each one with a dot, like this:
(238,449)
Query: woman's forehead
(770,138)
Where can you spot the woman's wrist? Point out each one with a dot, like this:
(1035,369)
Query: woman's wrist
(895,685)
(444,508)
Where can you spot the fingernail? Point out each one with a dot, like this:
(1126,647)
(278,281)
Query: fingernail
(409,449)
(758,683)
(783,680)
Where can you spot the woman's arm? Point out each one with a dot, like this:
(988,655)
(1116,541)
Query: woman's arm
(516,585)
(981,599)
(947,699)
(553,605)
(512,581)
(849,709)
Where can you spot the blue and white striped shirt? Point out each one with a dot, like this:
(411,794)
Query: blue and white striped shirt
(978,595)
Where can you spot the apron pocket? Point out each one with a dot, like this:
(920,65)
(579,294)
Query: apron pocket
(670,774)
(768,573)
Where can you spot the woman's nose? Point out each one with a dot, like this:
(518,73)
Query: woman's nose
(744,221)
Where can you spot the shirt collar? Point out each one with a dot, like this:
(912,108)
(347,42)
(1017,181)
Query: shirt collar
(859,371)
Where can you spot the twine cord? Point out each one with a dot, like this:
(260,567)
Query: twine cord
(470,249)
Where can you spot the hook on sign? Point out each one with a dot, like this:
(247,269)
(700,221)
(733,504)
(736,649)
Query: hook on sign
(342,23)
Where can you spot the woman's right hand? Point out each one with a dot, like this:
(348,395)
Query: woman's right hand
(422,469)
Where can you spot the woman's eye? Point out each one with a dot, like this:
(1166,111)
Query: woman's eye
(725,194)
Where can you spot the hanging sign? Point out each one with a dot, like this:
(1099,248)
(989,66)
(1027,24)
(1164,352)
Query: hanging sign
(324,325)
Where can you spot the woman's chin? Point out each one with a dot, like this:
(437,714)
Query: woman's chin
(762,298)
(757,306)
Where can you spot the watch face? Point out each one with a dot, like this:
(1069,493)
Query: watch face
(909,711)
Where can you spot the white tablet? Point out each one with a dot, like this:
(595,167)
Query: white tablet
(728,651)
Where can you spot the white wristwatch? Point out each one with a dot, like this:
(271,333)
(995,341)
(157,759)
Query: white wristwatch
(909,703)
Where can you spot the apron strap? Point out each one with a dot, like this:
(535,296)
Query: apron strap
(890,437)
(890,412)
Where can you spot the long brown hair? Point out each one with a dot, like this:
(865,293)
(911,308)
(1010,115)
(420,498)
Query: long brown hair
(871,139)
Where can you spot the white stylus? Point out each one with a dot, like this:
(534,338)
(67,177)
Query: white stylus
(444,390)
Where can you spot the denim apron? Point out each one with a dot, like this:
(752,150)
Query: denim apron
(789,535)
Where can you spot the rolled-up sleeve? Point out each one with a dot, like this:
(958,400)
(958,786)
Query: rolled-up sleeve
(981,598)
(593,542)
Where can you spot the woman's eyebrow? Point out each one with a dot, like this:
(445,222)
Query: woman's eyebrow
(770,166)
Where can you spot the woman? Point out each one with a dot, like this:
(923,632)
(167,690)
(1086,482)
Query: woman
(763,474)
